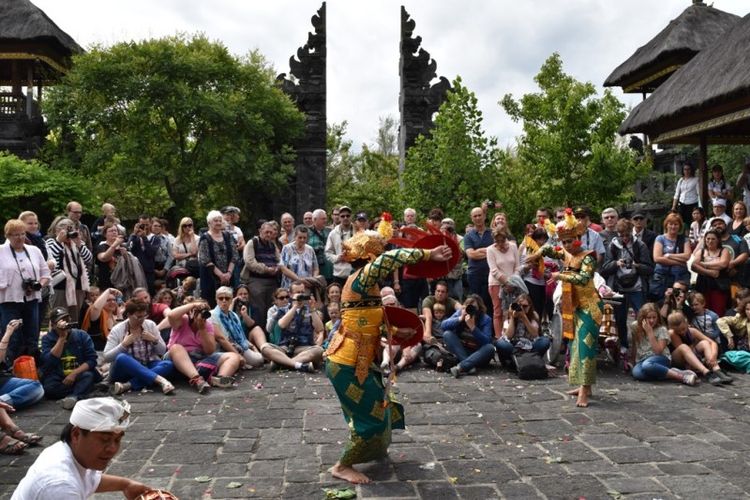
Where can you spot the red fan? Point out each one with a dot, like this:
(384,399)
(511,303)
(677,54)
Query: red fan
(419,238)
(404,318)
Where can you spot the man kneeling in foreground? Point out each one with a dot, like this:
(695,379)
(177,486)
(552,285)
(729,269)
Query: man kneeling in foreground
(72,467)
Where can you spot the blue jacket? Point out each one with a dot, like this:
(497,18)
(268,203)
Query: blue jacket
(482,333)
(78,345)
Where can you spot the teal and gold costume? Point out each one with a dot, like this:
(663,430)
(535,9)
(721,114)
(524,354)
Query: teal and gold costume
(368,410)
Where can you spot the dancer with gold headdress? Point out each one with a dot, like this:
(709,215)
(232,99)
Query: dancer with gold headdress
(581,310)
(368,409)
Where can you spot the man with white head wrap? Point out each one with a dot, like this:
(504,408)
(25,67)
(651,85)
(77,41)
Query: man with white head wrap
(72,467)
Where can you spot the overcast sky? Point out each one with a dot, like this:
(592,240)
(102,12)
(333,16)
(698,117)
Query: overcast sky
(496,46)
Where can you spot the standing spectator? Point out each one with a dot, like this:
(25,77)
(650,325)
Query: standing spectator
(334,246)
(307,219)
(185,248)
(535,276)
(718,186)
(503,262)
(590,239)
(671,253)
(108,211)
(107,253)
(317,239)
(609,219)
(162,244)
(261,270)
(412,288)
(73,257)
(410,217)
(287,228)
(627,267)
(144,249)
(454,279)
(298,259)
(642,233)
(711,261)
(687,194)
(743,182)
(737,247)
(68,361)
(361,222)
(217,256)
(739,213)
(698,226)
(231,218)
(468,335)
(75,210)
(720,210)
(24,273)
(476,242)
(334,218)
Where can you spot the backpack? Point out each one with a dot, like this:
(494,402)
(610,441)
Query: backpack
(530,365)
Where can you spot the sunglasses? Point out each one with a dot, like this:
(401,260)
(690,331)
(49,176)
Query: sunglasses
(282,297)
(222,299)
(345,216)
(566,242)
(187,225)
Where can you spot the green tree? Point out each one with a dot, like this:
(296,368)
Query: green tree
(569,151)
(176,124)
(367,180)
(456,167)
(29,185)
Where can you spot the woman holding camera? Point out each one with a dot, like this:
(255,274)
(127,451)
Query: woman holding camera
(468,335)
(144,249)
(23,274)
(72,256)
(107,253)
(193,345)
(522,323)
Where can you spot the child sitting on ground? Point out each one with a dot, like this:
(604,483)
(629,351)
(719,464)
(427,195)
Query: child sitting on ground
(438,314)
(704,319)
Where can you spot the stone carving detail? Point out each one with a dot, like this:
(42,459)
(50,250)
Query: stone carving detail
(306,85)
(418,100)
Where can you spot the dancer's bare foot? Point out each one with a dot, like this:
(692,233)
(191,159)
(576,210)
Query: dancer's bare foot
(575,392)
(349,474)
(583,400)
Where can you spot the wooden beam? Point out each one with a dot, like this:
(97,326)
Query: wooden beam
(703,164)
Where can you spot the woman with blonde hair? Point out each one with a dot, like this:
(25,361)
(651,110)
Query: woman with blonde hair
(185,247)
(649,352)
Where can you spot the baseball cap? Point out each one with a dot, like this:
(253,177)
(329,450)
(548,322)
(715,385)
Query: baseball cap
(720,202)
(344,208)
(714,220)
(229,209)
(638,215)
(448,221)
(58,313)
(101,415)
(361,216)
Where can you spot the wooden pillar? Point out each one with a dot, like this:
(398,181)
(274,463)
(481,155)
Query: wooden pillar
(29,90)
(703,166)
(15,85)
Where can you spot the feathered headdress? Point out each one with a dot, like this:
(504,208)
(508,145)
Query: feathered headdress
(369,244)
(569,227)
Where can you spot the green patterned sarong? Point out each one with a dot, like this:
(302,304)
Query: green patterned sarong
(583,349)
(369,422)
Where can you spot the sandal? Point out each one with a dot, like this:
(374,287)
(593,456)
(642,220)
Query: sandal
(11,447)
(222,382)
(25,437)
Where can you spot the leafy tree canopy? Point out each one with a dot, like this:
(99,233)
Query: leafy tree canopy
(174,124)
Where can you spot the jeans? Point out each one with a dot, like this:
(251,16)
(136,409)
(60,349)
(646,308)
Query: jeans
(505,348)
(652,368)
(55,389)
(25,340)
(481,357)
(634,300)
(478,285)
(21,392)
(126,368)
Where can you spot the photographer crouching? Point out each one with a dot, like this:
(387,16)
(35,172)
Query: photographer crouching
(468,335)
(521,329)
(24,273)
(302,334)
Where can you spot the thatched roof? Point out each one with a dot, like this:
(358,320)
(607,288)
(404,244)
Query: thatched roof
(22,22)
(696,28)
(715,83)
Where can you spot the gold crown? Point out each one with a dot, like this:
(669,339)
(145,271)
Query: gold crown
(364,245)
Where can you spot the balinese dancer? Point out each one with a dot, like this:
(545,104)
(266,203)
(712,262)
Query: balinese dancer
(581,308)
(368,409)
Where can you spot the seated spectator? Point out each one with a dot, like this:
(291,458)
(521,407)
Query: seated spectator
(522,323)
(440,297)
(704,319)
(298,259)
(192,345)
(242,297)
(68,360)
(734,330)
(468,335)
(675,299)
(229,324)
(403,357)
(334,313)
(280,300)
(650,355)
(101,317)
(14,391)
(302,334)
(691,349)
(438,315)
(13,441)
(186,289)
(135,349)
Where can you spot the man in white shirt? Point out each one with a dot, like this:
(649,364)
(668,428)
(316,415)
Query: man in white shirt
(72,468)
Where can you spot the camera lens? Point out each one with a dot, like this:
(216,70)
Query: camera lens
(72,234)
(205,314)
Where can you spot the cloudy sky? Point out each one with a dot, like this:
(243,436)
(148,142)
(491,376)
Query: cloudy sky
(495,46)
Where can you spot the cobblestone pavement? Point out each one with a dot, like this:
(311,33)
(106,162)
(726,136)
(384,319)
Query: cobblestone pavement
(478,437)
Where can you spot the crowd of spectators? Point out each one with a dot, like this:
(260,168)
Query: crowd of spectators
(77,301)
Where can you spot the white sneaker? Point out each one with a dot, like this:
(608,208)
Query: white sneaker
(688,377)
(69,402)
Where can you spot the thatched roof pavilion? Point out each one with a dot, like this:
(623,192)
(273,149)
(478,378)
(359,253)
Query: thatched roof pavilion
(708,98)
(696,28)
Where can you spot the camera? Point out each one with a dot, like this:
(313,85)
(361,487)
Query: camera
(627,264)
(72,234)
(31,285)
(205,313)
(471,310)
(301,297)
(291,346)
(142,227)
(515,306)
(71,325)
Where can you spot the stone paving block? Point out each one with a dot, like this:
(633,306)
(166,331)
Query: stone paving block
(173,453)
(233,458)
(635,454)
(683,469)
(699,487)
(528,467)
(630,485)
(548,429)
(305,491)
(426,397)
(566,487)
(570,451)
(517,489)
(688,449)
(189,488)
(388,489)
(478,492)
(511,451)
(132,454)
(479,471)
(379,470)
(436,490)
(125,468)
(419,471)
(203,437)
(603,441)
(455,450)
(599,467)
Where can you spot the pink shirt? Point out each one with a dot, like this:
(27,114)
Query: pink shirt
(186,337)
(502,263)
